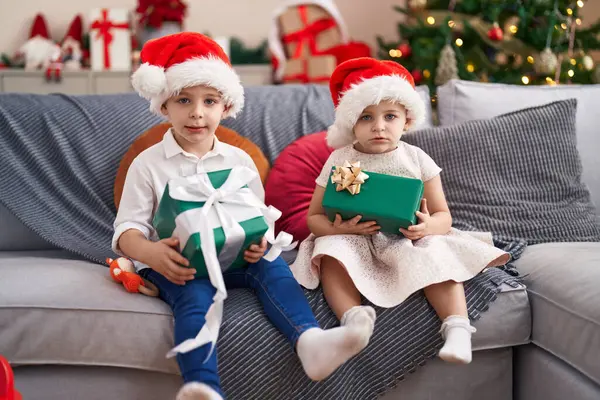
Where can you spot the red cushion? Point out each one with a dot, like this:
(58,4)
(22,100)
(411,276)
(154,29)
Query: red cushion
(291,182)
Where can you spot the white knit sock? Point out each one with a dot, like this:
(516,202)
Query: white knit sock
(456,331)
(361,320)
(321,352)
(197,391)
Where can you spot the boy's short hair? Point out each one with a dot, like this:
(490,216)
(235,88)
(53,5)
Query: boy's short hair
(173,62)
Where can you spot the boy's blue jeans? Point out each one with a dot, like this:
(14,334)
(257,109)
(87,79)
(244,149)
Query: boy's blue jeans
(280,295)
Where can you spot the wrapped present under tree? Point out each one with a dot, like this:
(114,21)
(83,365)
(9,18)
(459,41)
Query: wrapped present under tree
(314,69)
(313,28)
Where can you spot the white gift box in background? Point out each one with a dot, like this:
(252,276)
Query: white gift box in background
(110,39)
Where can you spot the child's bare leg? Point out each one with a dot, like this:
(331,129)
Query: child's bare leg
(338,288)
(448,300)
(344,299)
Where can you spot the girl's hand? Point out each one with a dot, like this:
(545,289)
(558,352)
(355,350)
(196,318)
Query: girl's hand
(168,262)
(255,252)
(353,227)
(416,232)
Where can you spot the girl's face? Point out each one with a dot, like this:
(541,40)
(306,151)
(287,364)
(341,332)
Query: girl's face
(380,127)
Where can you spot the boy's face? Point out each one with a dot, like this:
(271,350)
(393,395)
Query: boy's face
(195,113)
(380,127)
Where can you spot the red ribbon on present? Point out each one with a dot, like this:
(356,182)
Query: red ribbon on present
(104,26)
(304,77)
(309,33)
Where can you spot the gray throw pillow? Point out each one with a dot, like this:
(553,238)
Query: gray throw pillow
(517,175)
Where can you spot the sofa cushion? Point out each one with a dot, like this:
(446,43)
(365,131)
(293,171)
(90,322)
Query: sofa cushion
(291,182)
(517,175)
(563,281)
(460,101)
(58,310)
(14,236)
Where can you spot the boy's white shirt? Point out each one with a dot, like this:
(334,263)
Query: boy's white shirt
(152,169)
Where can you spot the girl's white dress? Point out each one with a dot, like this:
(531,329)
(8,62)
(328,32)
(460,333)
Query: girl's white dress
(388,268)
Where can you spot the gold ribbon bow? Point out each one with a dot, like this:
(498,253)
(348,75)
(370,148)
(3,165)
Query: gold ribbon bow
(349,177)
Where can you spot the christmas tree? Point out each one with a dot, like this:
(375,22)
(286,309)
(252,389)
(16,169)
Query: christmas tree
(508,41)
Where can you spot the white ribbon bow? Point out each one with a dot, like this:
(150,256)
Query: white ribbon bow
(240,200)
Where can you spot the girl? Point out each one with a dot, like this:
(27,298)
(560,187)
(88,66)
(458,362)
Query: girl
(375,103)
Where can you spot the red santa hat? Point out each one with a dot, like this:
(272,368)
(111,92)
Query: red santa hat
(274,36)
(75,30)
(361,82)
(174,62)
(39,28)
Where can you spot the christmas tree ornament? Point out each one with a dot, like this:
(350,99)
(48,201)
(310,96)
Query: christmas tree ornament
(417,75)
(495,33)
(416,5)
(588,62)
(447,68)
(501,58)
(405,50)
(546,62)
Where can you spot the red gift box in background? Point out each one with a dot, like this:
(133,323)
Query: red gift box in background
(306,30)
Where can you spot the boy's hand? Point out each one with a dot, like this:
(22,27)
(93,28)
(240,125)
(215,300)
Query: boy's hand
(167,261)
(416,232)
(255,252)
(353,227)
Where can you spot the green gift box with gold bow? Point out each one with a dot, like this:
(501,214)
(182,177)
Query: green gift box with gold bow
(391,201)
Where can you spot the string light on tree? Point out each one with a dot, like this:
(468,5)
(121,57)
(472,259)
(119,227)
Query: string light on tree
(525,80)
(459,42)
(587,62)
(430,20)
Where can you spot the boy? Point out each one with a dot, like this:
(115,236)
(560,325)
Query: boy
(188,78)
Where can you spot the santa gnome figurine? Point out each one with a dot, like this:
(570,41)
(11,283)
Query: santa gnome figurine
(39,51)
(72,45)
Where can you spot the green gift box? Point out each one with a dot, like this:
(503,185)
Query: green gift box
(171,210)
(392,201)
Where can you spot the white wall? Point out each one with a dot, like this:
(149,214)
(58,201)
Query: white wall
(248,19)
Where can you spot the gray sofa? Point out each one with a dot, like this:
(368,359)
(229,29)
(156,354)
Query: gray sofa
(540,340)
